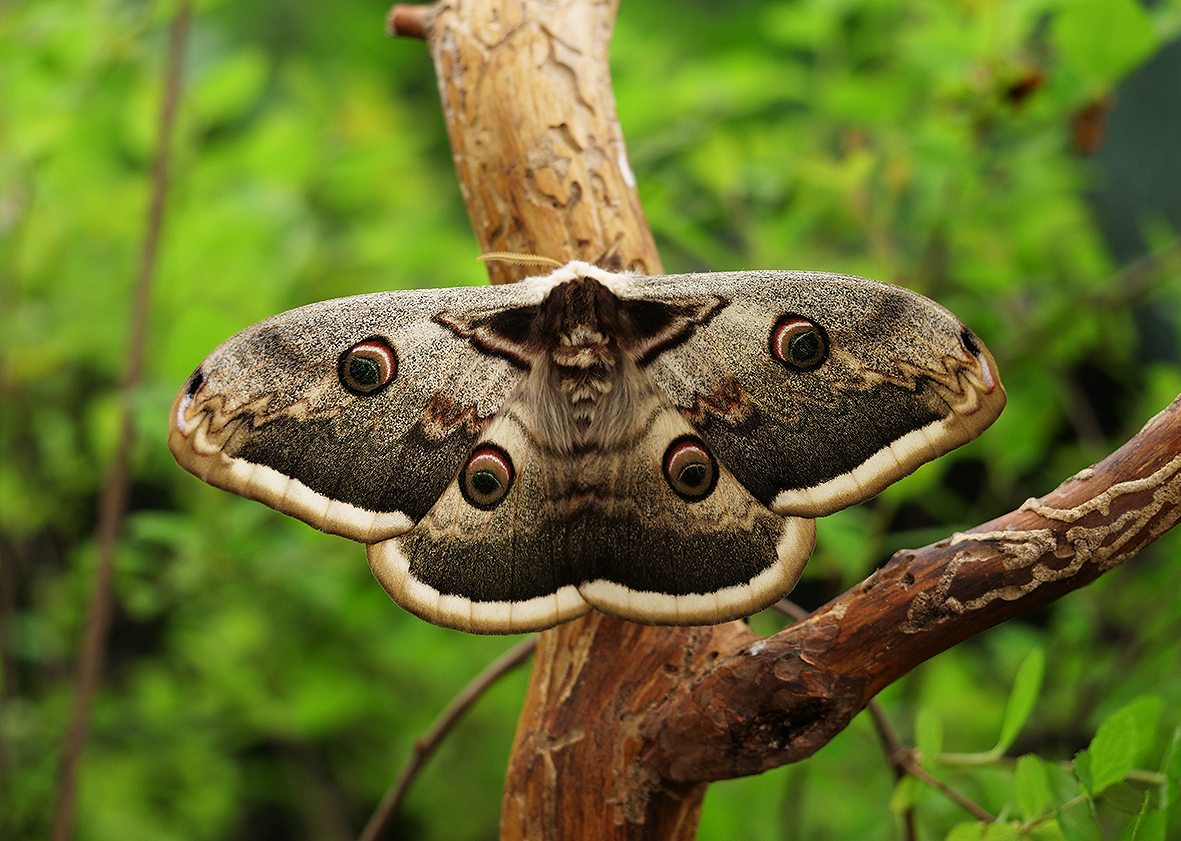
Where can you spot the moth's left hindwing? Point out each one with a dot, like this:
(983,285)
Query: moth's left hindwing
(652,447)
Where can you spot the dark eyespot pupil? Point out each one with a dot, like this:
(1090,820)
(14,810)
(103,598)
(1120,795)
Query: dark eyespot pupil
(364,372)
(804,348)
(485,482)
(969,343)
(694,476)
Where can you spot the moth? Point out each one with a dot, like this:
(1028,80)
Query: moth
(656,448)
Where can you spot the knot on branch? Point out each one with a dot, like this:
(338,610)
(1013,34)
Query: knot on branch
(756,711)
(410,20)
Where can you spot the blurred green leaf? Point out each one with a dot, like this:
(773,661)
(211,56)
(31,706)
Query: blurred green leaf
(966,832)
(1077,824)
(1022,699)
(903,798)
(1120,740)
(1047,831)
(1125,798)
(1103,39)
(1149,826)
(1171,768)
(1001,831)
(1032,786)
(1084,767)
(231,85)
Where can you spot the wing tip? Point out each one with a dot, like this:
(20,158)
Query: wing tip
(892,462)
(193,451)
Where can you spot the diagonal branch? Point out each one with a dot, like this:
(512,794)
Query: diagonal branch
(774,701)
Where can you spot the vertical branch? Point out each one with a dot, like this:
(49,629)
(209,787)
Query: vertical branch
(530,114)
(113,504)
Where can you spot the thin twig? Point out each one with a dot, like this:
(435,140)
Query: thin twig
(1077,800)
(425,747)
(891,745)
(790,609)
(893,748)
(113,505)
(906,760)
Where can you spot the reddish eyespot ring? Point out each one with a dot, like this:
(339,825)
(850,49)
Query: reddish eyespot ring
(487,477)
(799,342)
(368,367)
(690,469)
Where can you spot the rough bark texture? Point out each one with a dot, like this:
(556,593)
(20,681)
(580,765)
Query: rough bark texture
(530,113)
(623,724)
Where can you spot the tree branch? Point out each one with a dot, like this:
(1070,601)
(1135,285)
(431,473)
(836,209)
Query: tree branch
(765,703)
(409,21)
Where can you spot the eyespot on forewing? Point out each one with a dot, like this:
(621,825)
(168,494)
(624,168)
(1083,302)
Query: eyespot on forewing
(799,342)
(368,367)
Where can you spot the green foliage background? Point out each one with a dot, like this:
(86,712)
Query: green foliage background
(261,685)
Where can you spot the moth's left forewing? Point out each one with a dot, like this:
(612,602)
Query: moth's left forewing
(269,414)
(896,381)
